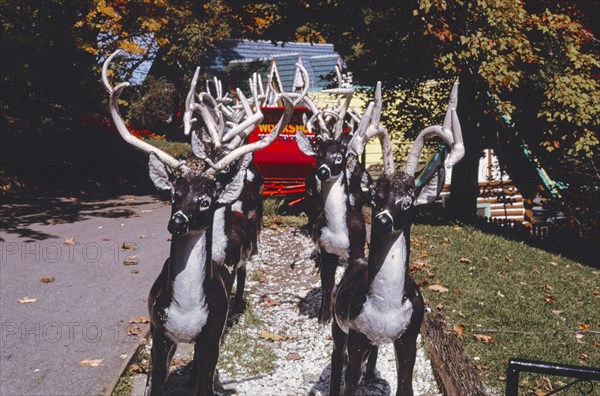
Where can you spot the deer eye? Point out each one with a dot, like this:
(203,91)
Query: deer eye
(404,202)
(338,159)
(204,202)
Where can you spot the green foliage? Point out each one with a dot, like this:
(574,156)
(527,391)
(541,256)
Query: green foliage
(528,65)
(272,206)
(153,104)
(47,81)
(175,149)
(242,353)
(409,110)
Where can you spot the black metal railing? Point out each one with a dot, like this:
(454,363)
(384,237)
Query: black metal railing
(584,378)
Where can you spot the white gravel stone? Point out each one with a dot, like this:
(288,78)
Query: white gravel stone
(295,318)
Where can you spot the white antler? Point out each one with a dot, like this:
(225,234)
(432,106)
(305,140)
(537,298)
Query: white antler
(450,132)
(240,151)
(113,105)
(369,127)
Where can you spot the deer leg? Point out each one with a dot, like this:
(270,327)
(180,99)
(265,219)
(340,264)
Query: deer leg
(328,264)
(406,352)
(372,363)
(192,381)
(161,353)
(207,346)
(239,289)
(358,346)
(337,358)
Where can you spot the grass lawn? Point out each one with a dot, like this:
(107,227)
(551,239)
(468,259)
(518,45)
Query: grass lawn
(507,299)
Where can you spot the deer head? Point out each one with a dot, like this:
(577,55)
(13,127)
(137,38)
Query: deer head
(395,195)
(330,144)
(196,195)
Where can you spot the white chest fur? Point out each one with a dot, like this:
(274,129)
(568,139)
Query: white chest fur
(219,238)
(385,316)
(187,313)
(334,236)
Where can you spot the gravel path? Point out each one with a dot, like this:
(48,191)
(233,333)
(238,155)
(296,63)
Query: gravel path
(283,289)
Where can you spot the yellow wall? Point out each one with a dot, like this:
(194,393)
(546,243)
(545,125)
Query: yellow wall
(373,149)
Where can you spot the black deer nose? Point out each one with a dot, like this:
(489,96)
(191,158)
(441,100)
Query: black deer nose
(178,225)
(383,222)
(323,173)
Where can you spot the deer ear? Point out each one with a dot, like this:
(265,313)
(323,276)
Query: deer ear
(304,144)
(307,122)
(430,182)
(198,146)
(159,173)
(233,189)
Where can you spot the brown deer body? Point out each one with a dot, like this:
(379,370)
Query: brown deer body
(334,195)
(377,302)
(189,300)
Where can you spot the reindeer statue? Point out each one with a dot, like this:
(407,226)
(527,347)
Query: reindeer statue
(377,301)
(334,195)
(189,300)
(233,243)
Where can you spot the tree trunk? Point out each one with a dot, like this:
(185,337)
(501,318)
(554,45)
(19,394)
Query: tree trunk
(464,188)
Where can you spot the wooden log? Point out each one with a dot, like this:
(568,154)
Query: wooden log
(451,367)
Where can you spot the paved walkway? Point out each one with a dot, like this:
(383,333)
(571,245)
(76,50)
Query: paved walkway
(83,313)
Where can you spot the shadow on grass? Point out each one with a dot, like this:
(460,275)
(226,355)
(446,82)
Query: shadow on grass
(557,241)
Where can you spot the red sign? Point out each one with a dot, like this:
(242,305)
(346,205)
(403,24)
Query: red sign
(282,159)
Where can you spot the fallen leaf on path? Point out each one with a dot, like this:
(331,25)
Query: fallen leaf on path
(127,246)
(459,330)
(123,356)
(177,362)
(549,298)
(70,241)
(105,239)
(271,336)
(130,261)
(91,362)
(27,300)
(137,369)
(134,271)
(293,356)
(269,302)
(139,319)
(133,329)
(438,288)
(486,339)
(49,279)
(584,326)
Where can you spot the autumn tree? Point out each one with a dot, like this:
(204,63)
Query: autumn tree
(528,73)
